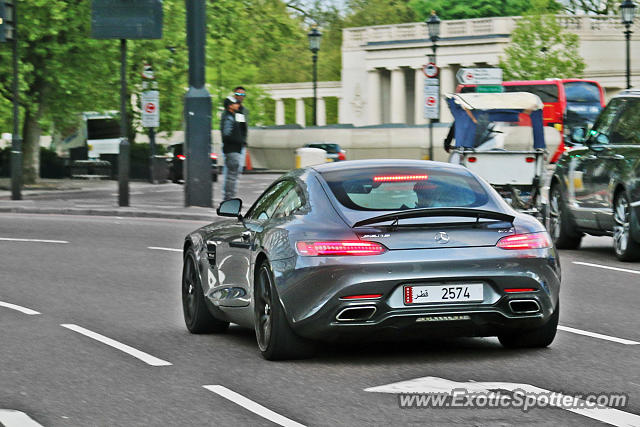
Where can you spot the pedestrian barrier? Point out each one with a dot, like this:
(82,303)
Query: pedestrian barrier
(307,156)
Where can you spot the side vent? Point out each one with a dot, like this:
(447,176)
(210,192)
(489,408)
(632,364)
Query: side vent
(211,253)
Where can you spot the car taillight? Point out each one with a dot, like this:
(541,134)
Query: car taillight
(341,155)
(400,178)
(516,290)
(525,241)
(530,159)
(339,248)
(181,156)
(213,156)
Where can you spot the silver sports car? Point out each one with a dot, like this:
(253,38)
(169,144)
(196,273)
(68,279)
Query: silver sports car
(373,249)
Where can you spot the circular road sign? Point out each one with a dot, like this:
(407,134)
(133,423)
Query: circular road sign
(431,101)
(150,107)
(430,70)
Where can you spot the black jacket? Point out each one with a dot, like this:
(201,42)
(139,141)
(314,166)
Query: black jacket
(244,127)
(232,139)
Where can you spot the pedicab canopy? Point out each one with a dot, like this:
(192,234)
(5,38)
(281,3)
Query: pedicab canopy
(471,110)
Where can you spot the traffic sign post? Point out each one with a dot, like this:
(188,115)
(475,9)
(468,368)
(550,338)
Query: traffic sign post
(431,106)
(150,106)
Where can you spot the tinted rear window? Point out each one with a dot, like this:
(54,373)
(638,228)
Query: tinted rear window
(582,92)
(395,189)
(329,148)
(547,93)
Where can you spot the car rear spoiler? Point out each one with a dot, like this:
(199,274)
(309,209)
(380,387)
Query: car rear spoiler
(431,212)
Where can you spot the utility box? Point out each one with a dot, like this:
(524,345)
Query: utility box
(126,19)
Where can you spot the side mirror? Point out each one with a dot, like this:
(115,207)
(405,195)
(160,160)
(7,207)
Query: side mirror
(230,208)
(578,135)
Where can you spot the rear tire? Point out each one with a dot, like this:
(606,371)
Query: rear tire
(560,224)
(197,316)
(625,247)
(276,340)
(533,338)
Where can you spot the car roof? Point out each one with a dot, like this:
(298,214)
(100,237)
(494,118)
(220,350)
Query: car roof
(629,92)
(373,163)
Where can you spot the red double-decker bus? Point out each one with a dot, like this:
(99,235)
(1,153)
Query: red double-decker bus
(567,102)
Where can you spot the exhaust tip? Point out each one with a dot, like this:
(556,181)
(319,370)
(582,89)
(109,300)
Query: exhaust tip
(524,306)
(356,314)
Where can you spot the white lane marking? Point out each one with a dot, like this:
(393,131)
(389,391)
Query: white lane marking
(252,406)
(605,414)
(157,248)
(10,239)
(11,418)
(145,357)
(19,308)
(597,335)
(606,267)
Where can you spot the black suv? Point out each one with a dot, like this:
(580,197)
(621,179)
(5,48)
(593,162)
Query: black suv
(176,164)
(595,188)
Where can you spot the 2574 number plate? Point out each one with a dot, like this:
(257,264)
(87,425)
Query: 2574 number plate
(466,292)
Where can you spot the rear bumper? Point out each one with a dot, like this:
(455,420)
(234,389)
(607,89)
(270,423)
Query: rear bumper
(311,292)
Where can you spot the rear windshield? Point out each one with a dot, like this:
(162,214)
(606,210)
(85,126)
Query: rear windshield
(582,92)
(329,148)
(395,189)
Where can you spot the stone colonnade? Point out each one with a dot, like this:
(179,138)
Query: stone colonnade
(396,95)
(300,91)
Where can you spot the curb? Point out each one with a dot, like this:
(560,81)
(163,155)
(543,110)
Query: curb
(110,212)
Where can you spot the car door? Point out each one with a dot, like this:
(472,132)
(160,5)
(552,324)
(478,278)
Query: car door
(592,171)
(616,158)
(235,244)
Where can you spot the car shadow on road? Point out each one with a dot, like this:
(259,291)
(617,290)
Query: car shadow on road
(397,351)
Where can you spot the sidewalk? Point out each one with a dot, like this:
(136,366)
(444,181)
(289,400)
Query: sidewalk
(100,197)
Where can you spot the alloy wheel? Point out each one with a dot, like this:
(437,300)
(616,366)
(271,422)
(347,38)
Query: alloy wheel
(621,225)
(189,281)
(263,311)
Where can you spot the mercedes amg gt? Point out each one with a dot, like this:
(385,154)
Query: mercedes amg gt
(373,249)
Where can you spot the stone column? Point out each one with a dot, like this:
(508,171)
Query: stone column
(447,85)
(321,112)
(300,117)
(419,97)
(398,96)
(280,112)
(373,101)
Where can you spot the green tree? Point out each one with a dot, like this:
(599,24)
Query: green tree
(540,48)
(452,9)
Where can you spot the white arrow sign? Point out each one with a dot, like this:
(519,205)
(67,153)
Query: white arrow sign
(534,395)
(479,76)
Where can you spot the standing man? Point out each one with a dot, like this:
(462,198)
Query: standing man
(240,94)
(232,144)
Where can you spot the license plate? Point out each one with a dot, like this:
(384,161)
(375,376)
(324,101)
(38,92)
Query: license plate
(464,292)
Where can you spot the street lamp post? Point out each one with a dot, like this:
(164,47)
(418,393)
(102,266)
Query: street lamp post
(314,46)
(433,26)
(627,10)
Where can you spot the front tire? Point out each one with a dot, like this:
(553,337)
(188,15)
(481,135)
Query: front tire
(276,339)
(560,224)
(196,314)
(533,338)
(625,247)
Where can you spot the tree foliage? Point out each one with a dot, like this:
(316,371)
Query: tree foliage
(540,48)
(452,9)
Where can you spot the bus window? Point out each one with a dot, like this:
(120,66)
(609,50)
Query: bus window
(547,93)
(582,92)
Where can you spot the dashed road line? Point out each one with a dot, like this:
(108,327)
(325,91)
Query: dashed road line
(606,267)
(11,239)
(11,418)
(252,406)
(145,357)
(158,248)
(19,308)
(597,335)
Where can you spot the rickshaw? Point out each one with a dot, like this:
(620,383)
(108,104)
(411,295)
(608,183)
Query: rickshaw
(483,123)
